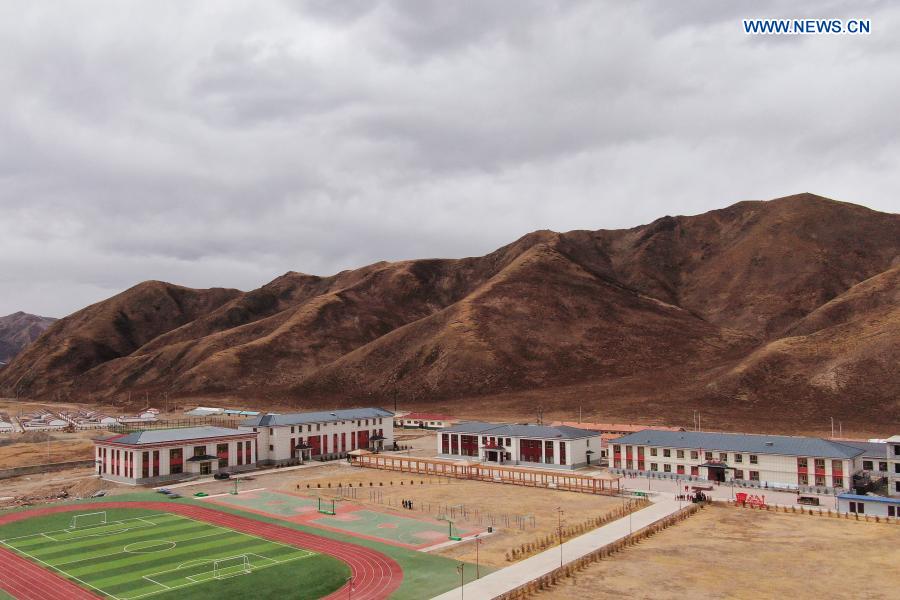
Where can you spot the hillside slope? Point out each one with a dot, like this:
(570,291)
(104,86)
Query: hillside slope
(18,330)
(787,302)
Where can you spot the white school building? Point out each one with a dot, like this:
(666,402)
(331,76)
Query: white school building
(295,437)
(158,455)
(557,447)
(803,463)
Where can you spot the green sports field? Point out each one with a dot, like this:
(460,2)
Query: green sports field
(130,553)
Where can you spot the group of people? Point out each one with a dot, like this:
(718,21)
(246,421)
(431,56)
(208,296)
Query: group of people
(408,504)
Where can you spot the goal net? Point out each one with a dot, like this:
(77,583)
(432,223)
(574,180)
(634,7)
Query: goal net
(231,566)
(88,520)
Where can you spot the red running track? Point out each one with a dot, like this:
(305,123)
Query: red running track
(375,576)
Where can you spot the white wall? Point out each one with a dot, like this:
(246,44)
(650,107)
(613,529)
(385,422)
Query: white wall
(279,437)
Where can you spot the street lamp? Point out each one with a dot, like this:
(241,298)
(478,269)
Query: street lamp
(477,568)
(461,569)
(559,514)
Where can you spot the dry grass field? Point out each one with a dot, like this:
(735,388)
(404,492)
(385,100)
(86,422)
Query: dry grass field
(724,552)
(484,497)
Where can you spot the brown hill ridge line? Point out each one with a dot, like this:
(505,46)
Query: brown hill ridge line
(727,304)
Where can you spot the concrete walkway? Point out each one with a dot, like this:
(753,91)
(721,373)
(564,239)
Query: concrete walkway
(244,475)
(524,571)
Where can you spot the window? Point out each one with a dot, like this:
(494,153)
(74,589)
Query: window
(271,431)
(803,479)
(679,469)
(199,450)
(652,451)
(667,468)
(867,465)
(838,482)
(617,448)
(562,453)
(897,467)
(882,466)
(667,453)
(738,458)
(318,427)
(175,461)
(723,456)
(754,459)
(892,511)
(707,455)
(694,455)
(292,429)
(754,475)
(858,508)
(679,453)
(801,463)
(820,480)
(738,474)
(820,464)
(695,471)
(222,455)
(837,467)
(654,467)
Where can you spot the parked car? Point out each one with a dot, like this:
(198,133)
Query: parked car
(221,475)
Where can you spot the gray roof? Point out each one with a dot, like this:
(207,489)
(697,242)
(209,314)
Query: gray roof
(517,430)
(350,414)
(741,442)
(160,436)
(870,449)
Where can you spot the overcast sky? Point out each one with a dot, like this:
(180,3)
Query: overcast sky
(224,143)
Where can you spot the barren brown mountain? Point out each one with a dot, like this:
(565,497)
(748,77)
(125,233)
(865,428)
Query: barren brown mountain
(789,304)
(18,330)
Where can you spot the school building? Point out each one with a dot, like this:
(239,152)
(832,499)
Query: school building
(548,446)
(296,437)
(158,455)
(763,460)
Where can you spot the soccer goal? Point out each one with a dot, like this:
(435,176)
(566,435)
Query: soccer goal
(231,566)
(88,520)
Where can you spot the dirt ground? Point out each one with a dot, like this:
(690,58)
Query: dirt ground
(724,552)
(482,500)
(38,447)
(41,488)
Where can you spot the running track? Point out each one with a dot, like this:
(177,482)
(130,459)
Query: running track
(375,576)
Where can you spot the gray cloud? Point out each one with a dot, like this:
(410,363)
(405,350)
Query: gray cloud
(221,147)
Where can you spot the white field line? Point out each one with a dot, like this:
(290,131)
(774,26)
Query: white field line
(73,562)
(229,494)
(49,566)
(259,538)
(191,581)
(306,553)
(52,531)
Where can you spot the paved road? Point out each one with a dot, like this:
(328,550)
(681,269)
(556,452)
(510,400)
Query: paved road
(723,491)
(524,571)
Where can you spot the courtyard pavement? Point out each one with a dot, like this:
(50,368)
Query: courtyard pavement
(522,572)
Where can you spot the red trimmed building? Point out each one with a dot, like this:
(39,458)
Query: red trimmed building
(159,455)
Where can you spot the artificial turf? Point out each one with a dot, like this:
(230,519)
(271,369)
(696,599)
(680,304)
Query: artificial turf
(424,575)
(139,553)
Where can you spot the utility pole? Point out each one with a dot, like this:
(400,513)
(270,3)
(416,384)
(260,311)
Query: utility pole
(477,567)
(461,569)
(559,514)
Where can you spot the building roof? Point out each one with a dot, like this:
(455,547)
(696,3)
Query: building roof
(742,442)
(520,430)
(870,449)
(161,436)
(616,427)
(883,499)
(270,420)
(427,417)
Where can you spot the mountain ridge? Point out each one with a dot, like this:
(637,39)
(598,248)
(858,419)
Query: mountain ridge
(732,297)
